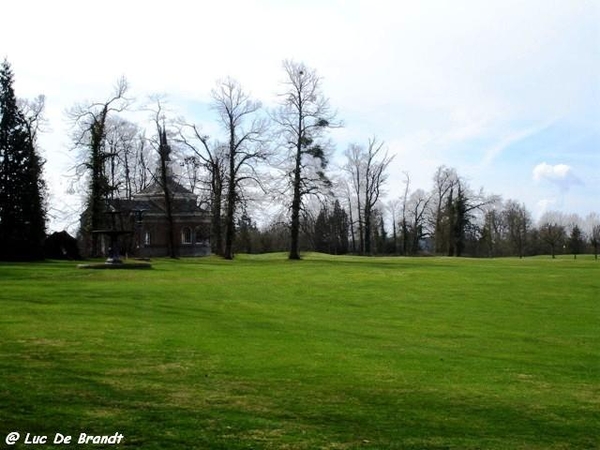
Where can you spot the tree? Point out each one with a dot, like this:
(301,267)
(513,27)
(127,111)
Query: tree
(347,193)
(244,146)
(592,222)
(553,234)
(247,231)
(392,207)
(492,232)
(142,166)
(576,241)
(518,222)
(416,209)
(595,239)
(122,141)
(90,123)
(376,164)
(354,169)
(212,156)
(445,179)
(164,179)
(302,118)
(461,204)
(366,168)
(331,230)
(404,221)
(22,188)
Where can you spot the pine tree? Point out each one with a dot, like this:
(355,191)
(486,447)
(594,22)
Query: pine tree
(576,241)
(22,208)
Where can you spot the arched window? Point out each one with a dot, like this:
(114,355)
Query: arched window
(147,239)
(186,235)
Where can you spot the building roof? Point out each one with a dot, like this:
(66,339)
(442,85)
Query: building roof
(156,189)
(151,200)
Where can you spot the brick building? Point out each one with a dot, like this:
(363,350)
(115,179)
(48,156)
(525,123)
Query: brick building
(147,210)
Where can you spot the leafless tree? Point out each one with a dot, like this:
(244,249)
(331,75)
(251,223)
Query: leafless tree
(404,222)
(212,156)
(367,171)
(518,223)
(33,115)
(163,175)
(376,163)
(592,229)
(552,230)
(417,207)
(245,129)
(354,169)
(89,123)
(444,180)
(302,119)
(393,206)
(122,138)
(347,194)
(143,166)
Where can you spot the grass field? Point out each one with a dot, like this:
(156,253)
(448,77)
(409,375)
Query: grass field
(324,353)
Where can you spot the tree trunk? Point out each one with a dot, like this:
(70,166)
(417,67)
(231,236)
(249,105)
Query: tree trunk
(172,253)
(231,198)
(352,227)
(297,196)
(367,230)
(295,225)
(216,232)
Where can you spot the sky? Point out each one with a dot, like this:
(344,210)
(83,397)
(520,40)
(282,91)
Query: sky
(507,92)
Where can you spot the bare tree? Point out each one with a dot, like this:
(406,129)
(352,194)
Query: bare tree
(518,223)
(417,207)
(142,168)
(392,207)
(163,174)
(444,180)
(33,115)
(348,196)
(376,163)
(212,156)
(404,222)
(302,118)
(461,211)
(366,168)
(354,168)
(553,230)
(245,131)
(592,227)
(89,122)
(122,138)
(552,234)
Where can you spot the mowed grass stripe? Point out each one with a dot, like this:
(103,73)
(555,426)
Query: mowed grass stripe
(328,352)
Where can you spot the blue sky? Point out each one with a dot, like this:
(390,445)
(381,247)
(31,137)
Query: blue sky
(507,92)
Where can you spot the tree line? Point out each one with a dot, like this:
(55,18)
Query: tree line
(275,160)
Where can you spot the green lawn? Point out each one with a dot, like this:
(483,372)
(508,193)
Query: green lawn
(324,353)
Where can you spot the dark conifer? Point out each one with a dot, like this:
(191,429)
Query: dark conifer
(22,206)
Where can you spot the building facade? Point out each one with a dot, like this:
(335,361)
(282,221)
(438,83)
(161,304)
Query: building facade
(148,216)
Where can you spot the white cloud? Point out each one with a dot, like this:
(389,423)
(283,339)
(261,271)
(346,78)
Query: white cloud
(559,174)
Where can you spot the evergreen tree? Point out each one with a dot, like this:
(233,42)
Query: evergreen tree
(576,241)
(331,230)
(22,209)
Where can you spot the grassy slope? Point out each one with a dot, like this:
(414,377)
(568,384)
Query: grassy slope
(323,353)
